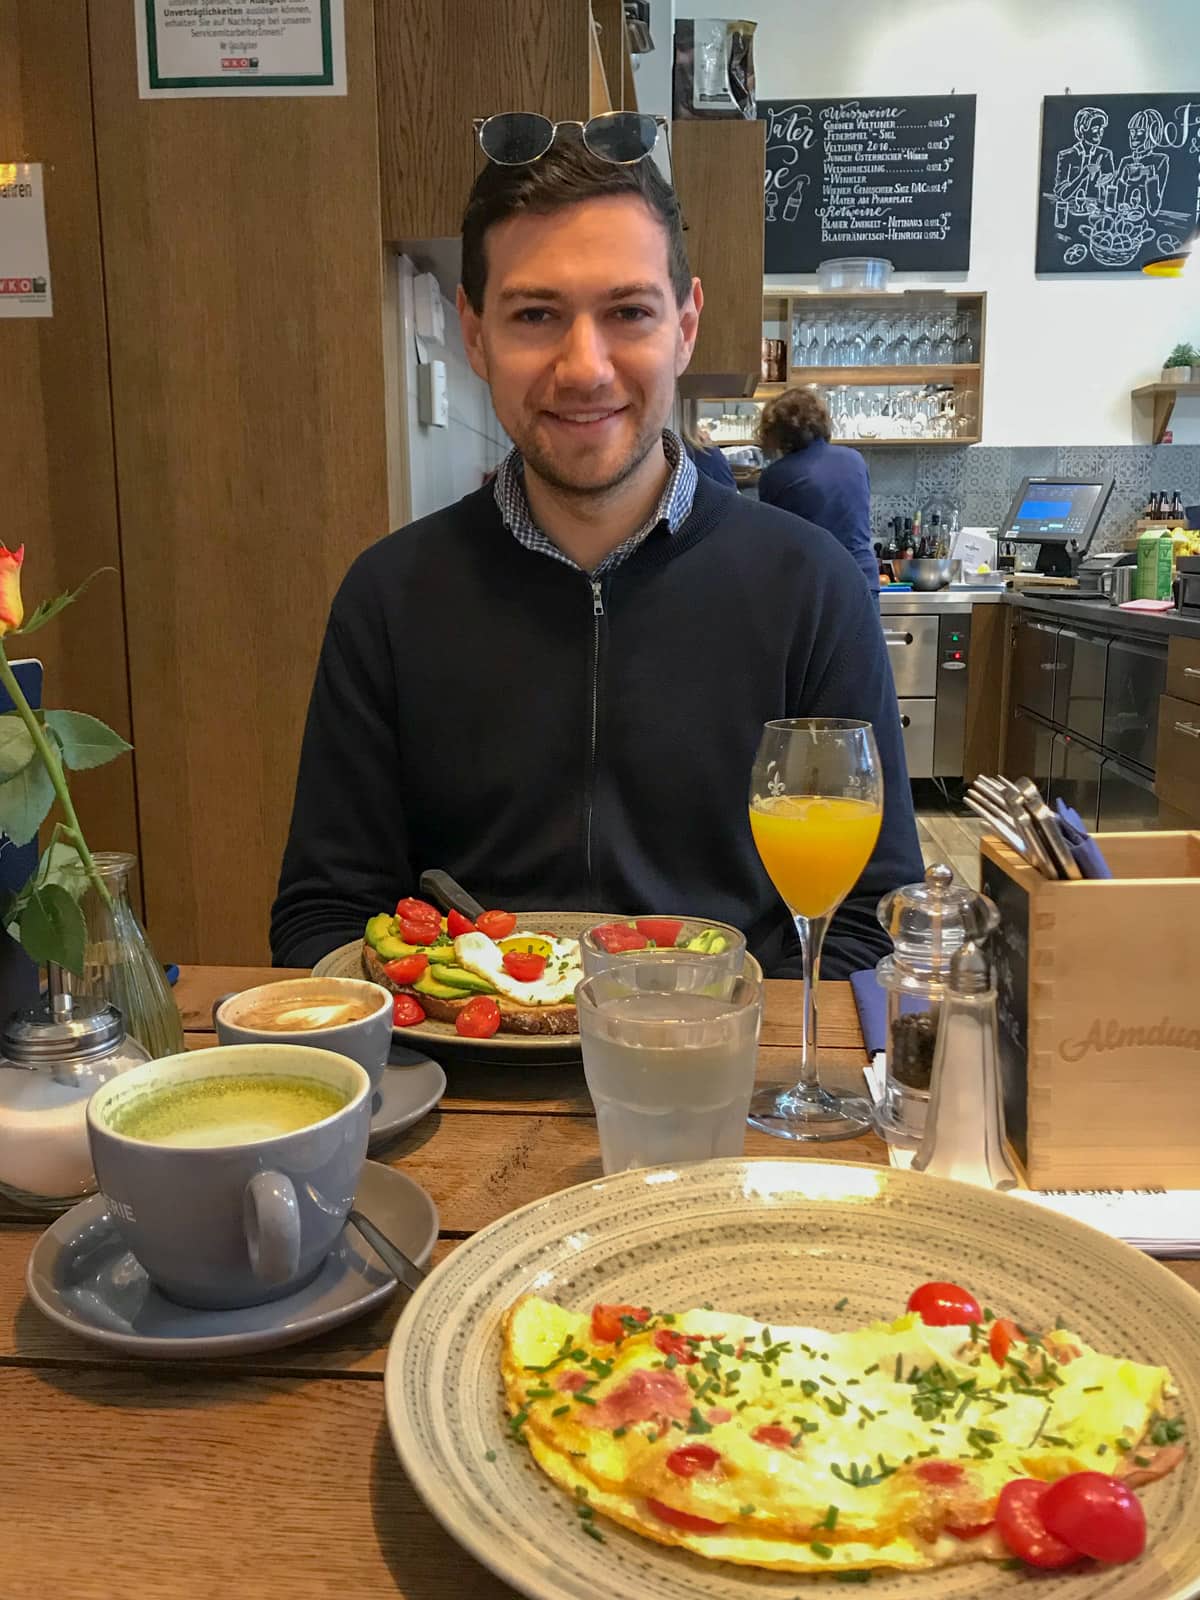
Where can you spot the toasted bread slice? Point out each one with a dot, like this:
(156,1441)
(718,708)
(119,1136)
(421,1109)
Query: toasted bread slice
(514,1017)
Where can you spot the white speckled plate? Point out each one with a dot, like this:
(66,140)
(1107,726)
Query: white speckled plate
(781,1241)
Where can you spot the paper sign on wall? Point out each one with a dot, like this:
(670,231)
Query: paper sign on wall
(24,254)
(196,49)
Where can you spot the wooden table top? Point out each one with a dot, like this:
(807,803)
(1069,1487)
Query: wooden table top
(274,1474)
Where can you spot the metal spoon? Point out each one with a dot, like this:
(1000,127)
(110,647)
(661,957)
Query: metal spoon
(398,1264)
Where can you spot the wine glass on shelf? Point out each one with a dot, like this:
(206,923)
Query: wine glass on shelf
(965,348)
(943,347)
(877,344)
(816,805)
(922,350)
(856,343)
(900,348)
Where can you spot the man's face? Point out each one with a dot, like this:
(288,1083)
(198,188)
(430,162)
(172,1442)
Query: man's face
(580,338)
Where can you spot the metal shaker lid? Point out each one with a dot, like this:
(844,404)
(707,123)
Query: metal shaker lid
(64,1028)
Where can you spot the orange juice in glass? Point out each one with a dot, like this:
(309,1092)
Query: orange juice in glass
(816,805)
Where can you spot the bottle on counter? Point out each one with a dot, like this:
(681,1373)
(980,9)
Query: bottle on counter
(1176,513)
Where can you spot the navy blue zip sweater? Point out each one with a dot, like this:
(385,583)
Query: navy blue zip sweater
(555,742)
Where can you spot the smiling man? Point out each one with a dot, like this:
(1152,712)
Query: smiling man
(554,689)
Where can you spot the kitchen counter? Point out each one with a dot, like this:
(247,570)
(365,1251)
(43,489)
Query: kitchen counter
(1098,613)
(955,601)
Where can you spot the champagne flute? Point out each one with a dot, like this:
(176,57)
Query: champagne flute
(816,805)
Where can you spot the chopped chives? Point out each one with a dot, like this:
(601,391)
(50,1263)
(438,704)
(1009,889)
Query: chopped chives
(489,1455)
(842,1303)
(830,1519)
(560,1411)
(822,1550)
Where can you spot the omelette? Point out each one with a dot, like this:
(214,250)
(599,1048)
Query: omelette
(801,1450)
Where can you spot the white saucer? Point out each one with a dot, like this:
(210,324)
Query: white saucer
(411,1086)
(81,1276)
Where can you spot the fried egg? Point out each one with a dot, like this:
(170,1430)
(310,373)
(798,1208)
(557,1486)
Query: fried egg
(796,1449)
(557,985)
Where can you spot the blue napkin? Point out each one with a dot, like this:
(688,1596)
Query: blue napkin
(1088,856)
(871,1001)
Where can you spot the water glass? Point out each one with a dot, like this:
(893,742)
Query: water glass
(670,1075)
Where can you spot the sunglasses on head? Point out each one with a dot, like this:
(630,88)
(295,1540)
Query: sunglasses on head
(513,138)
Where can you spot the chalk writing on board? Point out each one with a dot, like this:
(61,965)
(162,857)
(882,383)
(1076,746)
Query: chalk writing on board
(879,177)
(1120,180)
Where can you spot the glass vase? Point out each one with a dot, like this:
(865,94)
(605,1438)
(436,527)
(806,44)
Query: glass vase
(118,963)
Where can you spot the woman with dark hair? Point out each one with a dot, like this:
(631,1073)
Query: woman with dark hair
(826,483)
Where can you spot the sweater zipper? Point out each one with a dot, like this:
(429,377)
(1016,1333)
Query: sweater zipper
(597,618)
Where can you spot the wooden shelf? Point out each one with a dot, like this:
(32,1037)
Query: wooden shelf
(1164,396)
(876,377)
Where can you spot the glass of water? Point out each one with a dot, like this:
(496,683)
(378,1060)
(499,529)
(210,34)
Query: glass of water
(670,1074)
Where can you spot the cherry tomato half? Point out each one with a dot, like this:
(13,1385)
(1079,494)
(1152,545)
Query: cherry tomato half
(968,1530)
(408,969)
(683,1519)
(1096,1515)
(690,1459)
(944,1305)
(941,1472)
(661,931)
(526,966)
(419,932)
(456,923)
(417,910)
(674,1344)
(1000,1340)
(617,937)
(607,1326)
(774,1434)
(407,1010)
(479,1018)
(1019,1520)
(496,924)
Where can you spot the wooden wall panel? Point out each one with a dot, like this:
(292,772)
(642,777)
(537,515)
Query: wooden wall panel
(443,63)
(242,259)
(56,444)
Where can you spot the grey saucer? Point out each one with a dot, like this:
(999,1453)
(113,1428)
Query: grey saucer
(411,1086)
(81,1276)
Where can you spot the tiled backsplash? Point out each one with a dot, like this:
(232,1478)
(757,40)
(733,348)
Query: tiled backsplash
(982,479)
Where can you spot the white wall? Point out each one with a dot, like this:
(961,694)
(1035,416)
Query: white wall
(1062,354)
(443,464)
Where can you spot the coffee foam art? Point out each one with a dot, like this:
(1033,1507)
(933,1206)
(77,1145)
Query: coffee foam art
(301,1014)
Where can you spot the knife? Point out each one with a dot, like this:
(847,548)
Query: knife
(441,888)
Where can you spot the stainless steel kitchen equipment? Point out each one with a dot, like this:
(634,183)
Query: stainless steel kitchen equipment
(928,637)
(925,573)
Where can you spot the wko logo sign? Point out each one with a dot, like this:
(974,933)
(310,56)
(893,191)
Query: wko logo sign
(22,285)
(239,63)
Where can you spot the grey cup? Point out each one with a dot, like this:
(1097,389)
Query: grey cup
(367,1040)
(231,1225)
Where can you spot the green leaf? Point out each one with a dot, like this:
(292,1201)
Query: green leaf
(53,929)
(41,615)
(84,741)
(24,802)
(61,864)
(16,745)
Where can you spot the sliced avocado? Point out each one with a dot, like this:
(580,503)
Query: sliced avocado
(440,954)
(392,948)
(710,942)
(428,984)
(380,927)
(468,982)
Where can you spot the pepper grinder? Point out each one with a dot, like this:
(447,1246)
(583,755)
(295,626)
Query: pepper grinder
(964,1129)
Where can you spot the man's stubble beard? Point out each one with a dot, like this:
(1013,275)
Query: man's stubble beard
(544,465)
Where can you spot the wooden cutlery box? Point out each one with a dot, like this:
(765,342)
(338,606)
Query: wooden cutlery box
(1098,994)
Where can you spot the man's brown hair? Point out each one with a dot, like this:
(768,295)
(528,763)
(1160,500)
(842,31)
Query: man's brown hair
(794,419)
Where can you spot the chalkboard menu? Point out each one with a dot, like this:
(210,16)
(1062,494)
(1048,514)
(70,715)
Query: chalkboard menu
(870,178)
(1120,180)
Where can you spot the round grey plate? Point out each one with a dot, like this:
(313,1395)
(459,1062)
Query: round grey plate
(792,1242)
(411,1086)
(81,1276)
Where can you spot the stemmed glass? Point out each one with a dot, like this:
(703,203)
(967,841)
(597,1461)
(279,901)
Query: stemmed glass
(816,804)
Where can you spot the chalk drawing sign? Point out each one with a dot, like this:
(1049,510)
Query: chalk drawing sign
(1120,180)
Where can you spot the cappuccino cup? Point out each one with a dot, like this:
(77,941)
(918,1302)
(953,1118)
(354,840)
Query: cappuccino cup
(229,1172)
(349,1016)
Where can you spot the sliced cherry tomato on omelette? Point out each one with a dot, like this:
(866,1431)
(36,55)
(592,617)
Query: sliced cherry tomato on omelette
(690,1459)
(683,1519)
(674,1344)
(1000,1340)
(940,1472)
(479,1018)
(970,1530)
(1096,1515)
(617,937)
(419,932)
(496,924)
(407,1010)
(1019,1521)
(417,910)
(774,1434)
(526,966)
(661,931)
(456,923)
(944,1305)
(607,1326)
(407,969)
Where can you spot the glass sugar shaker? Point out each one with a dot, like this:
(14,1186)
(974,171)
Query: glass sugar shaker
(927,923)
(53,1058)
